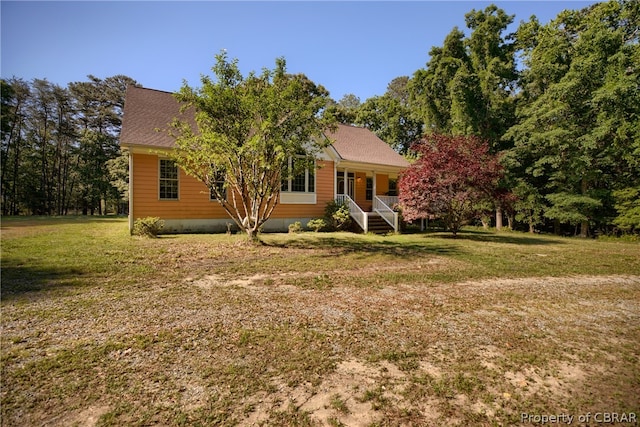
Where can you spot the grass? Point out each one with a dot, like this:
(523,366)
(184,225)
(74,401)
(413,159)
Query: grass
(312,328)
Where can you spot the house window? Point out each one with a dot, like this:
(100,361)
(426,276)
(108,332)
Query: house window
(369,193)
(219,185)
(304,182)
(168,180)
(393,187)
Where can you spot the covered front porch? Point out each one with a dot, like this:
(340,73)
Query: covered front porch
(371,196)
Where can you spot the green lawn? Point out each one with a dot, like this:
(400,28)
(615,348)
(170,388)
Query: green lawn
(102,328)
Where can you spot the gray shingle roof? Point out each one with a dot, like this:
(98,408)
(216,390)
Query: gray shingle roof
(148,112)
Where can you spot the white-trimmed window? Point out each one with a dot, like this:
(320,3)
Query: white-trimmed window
(168,180)
(369,189)
(300,188)
(302,183)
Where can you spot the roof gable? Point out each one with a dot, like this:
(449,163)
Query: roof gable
(148,113)
(363,146)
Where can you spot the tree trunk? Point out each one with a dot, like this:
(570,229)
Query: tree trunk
(584,229)
(252,235)
(485,223)
(584,225)
(498,218)
(531,227)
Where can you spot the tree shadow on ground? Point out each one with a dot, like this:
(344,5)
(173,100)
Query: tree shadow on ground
(514,238)
(9,222)
(19,279)
(360,244)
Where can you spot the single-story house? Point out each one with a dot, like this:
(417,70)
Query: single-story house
(358,168)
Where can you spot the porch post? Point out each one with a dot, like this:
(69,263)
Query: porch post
(375,186)
(346,181)
(335,181)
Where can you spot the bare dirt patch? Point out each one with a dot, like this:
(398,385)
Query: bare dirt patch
(477,368)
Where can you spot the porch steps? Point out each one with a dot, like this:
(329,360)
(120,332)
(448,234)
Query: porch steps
(378,225)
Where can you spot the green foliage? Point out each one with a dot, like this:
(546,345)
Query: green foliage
(147,227)
(56,145)
(577,131)
(467,84)
(627,203)
(247,130)
(337,215)
(529,205)
(571,208)
(296,227)
(317,224)
(391,121)
(345,110)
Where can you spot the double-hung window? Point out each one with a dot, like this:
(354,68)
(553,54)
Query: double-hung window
(168,184)
(369,189)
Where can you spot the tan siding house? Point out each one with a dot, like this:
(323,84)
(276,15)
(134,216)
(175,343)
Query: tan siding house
(357,168)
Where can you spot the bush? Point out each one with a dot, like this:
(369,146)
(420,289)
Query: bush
(317,224)
(296,227)
(148,227)
(337,215)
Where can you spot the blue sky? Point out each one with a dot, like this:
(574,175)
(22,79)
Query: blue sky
(348,47)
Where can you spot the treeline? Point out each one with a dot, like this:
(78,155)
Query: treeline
(559,103)
(60,148)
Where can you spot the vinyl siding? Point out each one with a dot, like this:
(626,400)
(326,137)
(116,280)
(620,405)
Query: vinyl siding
(382,184)
(324,194)
(193,196)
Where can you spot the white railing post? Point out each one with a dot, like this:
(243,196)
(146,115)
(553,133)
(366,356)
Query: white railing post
(365,220)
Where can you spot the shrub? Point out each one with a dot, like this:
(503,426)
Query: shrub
(337,215)
(296,227)
(148,227)
(317,224)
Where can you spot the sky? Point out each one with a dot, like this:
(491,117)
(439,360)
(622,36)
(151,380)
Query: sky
(348,47)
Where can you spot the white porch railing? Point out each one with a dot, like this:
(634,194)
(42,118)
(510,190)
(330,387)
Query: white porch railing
(382,206)
(356,213)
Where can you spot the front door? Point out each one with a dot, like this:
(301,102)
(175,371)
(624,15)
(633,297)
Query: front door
(351,185)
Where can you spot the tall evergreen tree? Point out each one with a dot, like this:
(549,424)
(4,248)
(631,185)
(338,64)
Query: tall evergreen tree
(578,116)
(100,104)
(15,95)
(56,143)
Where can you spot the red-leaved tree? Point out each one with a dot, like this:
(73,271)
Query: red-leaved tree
(452,178)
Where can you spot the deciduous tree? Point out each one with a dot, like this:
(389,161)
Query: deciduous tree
(578,127)
(451,178)
(247,129)
(390,121)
